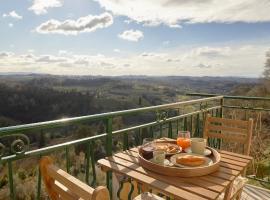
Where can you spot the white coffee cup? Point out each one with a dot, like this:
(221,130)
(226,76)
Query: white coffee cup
(198,145)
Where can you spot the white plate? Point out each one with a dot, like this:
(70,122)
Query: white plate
(173,160)
(207,152)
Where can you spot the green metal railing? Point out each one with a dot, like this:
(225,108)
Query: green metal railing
(170,117)
(245,98)
(256,106)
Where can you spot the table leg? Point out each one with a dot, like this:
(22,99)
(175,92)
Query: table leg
(145,188)
(228,192)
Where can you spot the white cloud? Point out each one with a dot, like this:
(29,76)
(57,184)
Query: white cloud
(12,14)
(153,54)
(201,65)
(81,61)
(5,54)
(175,26)
(40,7)
(175,12)
(89,23)
(231,60)
(211,51)
(10,25)
(50,59)
(131,35)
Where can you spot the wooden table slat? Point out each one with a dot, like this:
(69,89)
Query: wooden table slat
(229,171)
(172,180)
(216,180)
(219,174)
(159,185)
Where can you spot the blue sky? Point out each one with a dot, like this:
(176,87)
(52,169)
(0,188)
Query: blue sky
(117,37)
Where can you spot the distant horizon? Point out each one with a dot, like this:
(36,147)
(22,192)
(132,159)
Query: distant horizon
(64,75)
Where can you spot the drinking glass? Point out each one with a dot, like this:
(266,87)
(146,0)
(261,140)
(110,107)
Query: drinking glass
(183,139)
(159,157)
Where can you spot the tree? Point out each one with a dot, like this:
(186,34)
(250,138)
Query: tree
(266,73)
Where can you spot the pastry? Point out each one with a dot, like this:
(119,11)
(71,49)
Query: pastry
(172,149)
(190,160)
(167,148)
(161,148)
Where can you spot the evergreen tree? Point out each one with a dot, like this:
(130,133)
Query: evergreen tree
(266,73)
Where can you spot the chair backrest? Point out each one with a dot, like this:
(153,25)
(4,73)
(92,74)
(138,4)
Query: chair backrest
(229,130)
(61,185)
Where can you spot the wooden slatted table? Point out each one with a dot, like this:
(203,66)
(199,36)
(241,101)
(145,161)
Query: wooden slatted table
(199,188)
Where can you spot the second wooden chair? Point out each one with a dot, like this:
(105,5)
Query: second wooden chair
(62,186)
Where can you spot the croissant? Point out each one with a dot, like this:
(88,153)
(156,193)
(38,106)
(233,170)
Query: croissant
(190,160)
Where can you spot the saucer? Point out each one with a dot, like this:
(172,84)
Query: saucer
(166,162)
(207,152)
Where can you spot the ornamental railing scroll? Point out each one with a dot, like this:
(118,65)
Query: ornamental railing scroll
(14,144)
(161,116)
(204,106)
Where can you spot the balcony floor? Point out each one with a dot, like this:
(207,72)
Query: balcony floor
(255,193)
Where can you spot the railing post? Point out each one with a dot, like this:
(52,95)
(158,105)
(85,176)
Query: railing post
(170,132)
(10,181)
(185,124)
(221,108)
(177,122)
(160,130)
(140,136)
(198,125)
(191,125)
(109,151)
(88,149)
(125,141)
(151,131)
(93,163)
(39,182)
(109,136)
(218,142)
(67,159)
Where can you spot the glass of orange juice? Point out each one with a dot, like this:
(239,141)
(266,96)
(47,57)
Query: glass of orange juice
(183,139)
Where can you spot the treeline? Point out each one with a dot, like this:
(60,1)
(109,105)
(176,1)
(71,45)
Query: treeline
(27,103)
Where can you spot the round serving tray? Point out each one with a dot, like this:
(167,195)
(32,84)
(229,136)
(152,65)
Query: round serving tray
(182,171)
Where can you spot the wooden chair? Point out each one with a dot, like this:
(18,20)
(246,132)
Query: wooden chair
(231,131)
(62,186)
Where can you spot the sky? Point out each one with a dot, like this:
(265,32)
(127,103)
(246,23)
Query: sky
(135,37)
